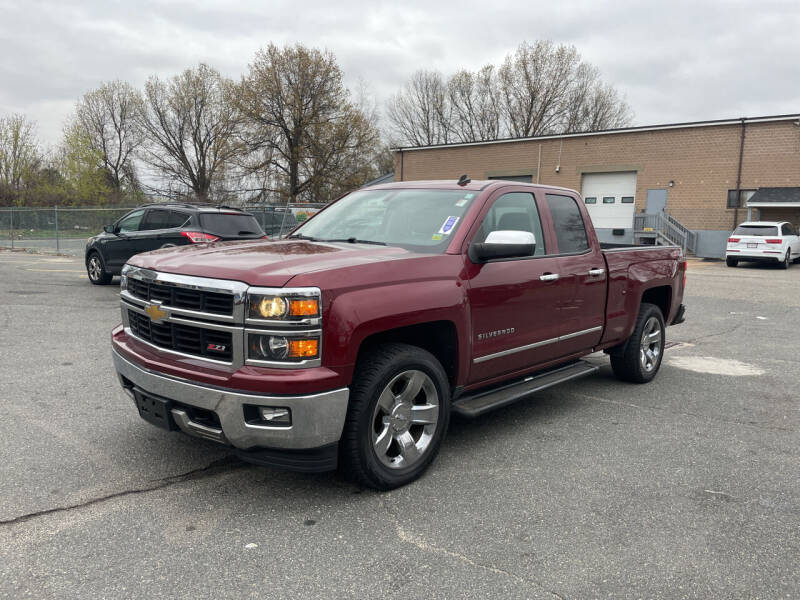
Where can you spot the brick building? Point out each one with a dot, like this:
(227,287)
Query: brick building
(690,171)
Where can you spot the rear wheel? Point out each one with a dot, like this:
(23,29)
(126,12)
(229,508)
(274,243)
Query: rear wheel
(641,358)
(787,260)
(731,262)
(398,416)
(96,270)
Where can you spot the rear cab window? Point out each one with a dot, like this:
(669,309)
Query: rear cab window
(568,223)
(230,224)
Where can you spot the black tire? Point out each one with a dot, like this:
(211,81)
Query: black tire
(632,364)
(787,261)
(358,454)
(96,269)
(731,262)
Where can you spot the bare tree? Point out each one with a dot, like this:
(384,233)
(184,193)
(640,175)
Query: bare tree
(299,119)
(474,107)
(541,88)
(419,113)
(190,126)
(107,116)
(20,155)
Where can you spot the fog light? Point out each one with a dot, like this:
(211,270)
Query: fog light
(276,416)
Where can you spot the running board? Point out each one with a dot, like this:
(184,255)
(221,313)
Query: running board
(476,404)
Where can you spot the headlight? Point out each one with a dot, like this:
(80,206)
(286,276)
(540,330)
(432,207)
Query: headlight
(123,278)
(297,304)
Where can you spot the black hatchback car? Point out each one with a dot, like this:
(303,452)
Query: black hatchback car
(162,226)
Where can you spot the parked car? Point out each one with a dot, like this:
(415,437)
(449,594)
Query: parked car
(350,342)
(765,241)
(163,226)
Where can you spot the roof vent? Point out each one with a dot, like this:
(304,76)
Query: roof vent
(464,179)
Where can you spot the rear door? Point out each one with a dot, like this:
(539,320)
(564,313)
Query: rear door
(513,302)
(153,228)
(793,241)
(582,273)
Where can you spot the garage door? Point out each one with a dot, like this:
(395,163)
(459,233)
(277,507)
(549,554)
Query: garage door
(609,198)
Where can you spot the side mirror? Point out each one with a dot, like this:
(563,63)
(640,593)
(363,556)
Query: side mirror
(108,228)
(503,244)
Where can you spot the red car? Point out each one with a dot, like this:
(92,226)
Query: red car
(351,342)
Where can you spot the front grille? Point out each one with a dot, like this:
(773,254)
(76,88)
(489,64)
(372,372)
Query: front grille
(178,297)
(182,338)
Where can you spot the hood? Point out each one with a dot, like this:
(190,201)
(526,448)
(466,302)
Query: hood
(263,263)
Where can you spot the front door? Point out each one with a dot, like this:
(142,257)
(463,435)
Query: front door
(656,201)
(514,302)
(120,247)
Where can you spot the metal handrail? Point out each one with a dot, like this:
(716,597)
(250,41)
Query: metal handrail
(668,227)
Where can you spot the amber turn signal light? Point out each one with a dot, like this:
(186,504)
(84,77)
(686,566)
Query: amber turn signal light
(303,348)
(307,307)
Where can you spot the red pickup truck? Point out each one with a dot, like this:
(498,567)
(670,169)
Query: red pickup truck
(351,342)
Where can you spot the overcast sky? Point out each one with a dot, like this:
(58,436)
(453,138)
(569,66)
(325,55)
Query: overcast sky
(673,61)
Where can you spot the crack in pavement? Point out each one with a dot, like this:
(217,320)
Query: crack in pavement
(426,546)
(681,413)
(224,464)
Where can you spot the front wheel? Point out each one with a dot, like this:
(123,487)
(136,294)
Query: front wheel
(398,416)
(96,270)
(641,358)
(731,262)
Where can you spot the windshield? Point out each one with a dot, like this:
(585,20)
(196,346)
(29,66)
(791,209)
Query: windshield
(759,230)
(418,220)
(230,224)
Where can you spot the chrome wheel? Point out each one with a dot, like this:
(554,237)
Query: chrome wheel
(95,268)
(404,419)
(650,348)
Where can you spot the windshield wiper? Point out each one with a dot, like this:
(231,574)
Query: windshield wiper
(353,240)
(300,236)
(244,232)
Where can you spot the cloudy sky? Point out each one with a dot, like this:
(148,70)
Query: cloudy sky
(673,61)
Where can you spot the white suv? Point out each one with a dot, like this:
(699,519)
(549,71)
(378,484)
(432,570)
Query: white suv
(773,241)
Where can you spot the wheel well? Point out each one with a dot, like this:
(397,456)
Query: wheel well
(661,297)
(437,337)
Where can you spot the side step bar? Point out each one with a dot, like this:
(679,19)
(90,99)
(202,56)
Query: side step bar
(475,404)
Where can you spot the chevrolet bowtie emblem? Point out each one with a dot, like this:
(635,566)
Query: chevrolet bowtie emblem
(155,313)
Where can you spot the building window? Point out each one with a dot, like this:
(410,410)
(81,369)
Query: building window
(590,200)
(608,199)
(627,199)
(740,202)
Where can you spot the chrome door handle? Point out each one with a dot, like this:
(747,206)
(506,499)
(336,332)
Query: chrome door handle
(596,272)
(548,277)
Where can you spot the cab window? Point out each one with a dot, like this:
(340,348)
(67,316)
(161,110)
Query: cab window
(131,221)
(568,223)
(515,211)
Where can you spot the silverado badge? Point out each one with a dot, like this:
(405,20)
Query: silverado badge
(155,313)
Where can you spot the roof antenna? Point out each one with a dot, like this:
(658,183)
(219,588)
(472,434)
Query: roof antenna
(464,180)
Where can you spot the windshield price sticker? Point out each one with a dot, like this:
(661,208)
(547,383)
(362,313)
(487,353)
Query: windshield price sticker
(448,225)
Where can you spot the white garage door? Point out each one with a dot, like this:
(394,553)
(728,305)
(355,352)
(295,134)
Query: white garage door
(610,198)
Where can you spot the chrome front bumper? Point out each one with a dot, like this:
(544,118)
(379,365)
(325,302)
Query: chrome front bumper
(317,420)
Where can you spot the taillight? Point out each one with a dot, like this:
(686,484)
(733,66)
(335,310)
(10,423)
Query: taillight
(733,240)
(685,265)
(774,241)
(198,237)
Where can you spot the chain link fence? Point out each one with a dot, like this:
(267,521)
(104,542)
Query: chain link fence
(65,230)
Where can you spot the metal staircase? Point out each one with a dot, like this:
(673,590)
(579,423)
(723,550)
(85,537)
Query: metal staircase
(663,229)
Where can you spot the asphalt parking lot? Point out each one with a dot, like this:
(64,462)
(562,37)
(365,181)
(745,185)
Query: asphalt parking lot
(688,487)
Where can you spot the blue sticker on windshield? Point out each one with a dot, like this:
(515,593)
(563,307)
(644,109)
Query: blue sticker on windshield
(447,226)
